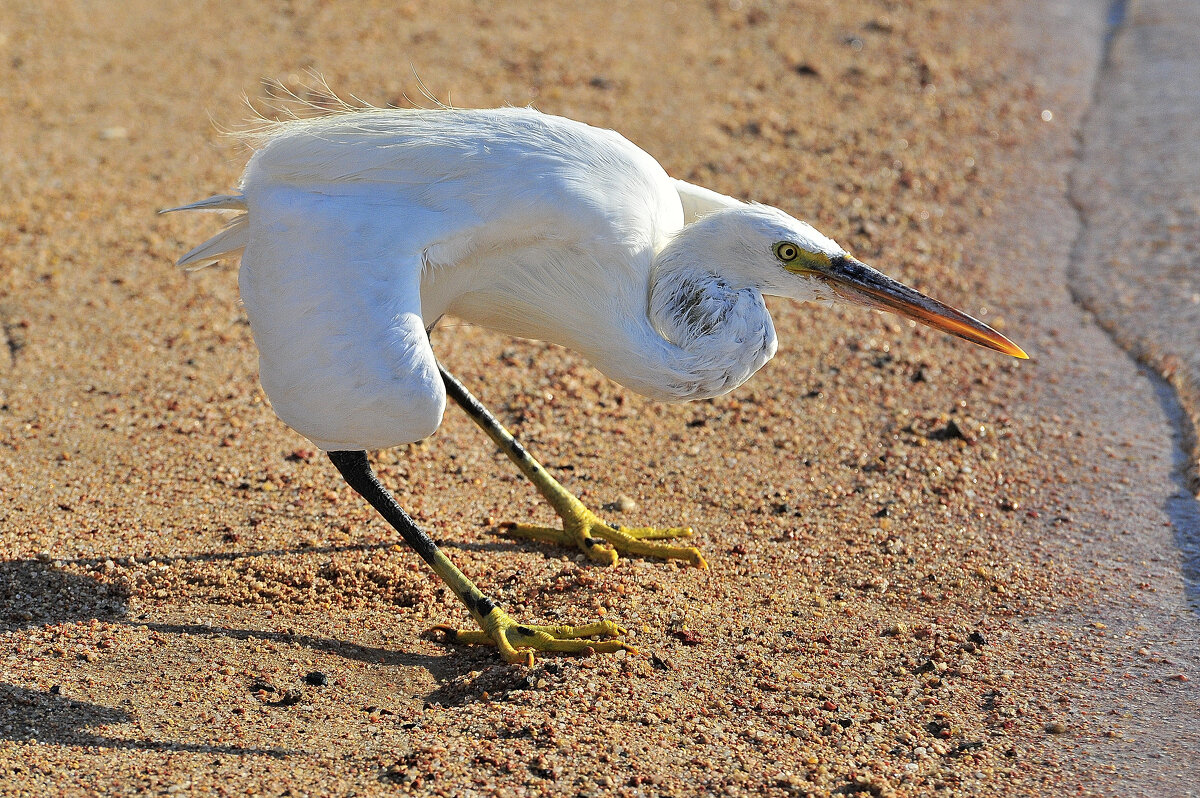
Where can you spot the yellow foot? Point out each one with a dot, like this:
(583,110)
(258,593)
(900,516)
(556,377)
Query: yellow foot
(517,642)
(602,541)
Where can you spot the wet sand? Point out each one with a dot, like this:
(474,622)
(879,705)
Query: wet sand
(932,569)
(1137,188)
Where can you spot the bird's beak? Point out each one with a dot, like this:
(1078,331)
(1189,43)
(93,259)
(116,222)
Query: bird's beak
(857,282)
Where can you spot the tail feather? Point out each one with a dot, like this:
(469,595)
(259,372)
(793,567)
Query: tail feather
(227,243)
(221,202)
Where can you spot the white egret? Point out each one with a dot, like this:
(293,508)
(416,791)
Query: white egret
(359,230)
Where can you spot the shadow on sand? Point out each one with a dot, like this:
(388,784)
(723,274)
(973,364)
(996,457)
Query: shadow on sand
(52,718)
(36,594)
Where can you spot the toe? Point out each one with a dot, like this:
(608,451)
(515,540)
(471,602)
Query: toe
(655,533)
(597,629)
(598,551)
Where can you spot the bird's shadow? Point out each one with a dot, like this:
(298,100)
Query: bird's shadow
(37,594)
(50,717)
(500,543)
(441,667)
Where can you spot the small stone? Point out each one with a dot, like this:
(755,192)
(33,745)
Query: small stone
(896,630)
(626,504)
(316,679)
(688,637)
(1054,727)
(953,430)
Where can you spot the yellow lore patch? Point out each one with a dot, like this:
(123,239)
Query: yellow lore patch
(806,261)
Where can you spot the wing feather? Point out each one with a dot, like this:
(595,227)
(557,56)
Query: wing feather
(333,294)
(700,201)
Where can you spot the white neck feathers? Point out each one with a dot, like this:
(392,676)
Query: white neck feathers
(720,335)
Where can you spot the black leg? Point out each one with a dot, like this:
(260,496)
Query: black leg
(356,470)
(516,641)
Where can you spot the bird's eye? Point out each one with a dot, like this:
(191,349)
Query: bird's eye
(786,251)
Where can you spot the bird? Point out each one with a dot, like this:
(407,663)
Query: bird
(358,230)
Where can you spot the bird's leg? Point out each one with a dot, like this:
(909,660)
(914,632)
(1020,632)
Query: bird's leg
(581,527)
(516,641)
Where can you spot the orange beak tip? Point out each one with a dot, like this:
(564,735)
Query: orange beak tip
(856,282)
(1007,347)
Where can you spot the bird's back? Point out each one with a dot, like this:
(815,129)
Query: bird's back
(508,169)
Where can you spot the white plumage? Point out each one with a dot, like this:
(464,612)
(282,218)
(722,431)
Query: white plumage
(362,229)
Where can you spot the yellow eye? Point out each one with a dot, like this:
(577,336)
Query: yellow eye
(786,251)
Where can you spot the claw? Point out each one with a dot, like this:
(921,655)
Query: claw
(448,633)
(601,541)
(518,642)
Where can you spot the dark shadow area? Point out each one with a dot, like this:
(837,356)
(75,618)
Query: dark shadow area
(49,718)
(494,542)
(1182,507)
(440,667)
(1117,11)
(457,672)
(230,556)
(492,682)
(35,593)
(500,544)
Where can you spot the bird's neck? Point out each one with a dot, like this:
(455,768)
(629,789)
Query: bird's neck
(717,335)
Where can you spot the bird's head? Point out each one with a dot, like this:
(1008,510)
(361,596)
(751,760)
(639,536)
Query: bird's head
(757,246)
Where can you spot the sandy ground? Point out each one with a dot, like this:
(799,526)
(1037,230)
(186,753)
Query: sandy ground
(933,570)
